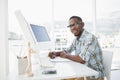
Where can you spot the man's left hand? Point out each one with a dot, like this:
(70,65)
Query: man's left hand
(63,55)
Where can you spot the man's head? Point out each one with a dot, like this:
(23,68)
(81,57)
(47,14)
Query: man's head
(76,25)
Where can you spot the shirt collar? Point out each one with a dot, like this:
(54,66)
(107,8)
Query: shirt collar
(82,36)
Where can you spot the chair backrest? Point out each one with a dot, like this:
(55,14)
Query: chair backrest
(107,61)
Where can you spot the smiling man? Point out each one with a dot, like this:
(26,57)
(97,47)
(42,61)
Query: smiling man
(86,47)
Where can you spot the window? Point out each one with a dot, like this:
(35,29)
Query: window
(108,26)
(82,8)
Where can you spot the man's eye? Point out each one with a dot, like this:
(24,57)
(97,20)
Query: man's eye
(72,25)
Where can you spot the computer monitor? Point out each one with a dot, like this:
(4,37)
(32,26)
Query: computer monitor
(41,36)
(35,34)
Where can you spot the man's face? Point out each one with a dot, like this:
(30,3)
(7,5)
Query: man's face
(76,26)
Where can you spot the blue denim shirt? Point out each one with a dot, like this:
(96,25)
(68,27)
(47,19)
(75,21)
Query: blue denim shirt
(88,48)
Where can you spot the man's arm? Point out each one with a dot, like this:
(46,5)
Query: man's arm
(63,54)
(54,54)
(75,58)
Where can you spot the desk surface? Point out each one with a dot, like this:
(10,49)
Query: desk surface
(64,70)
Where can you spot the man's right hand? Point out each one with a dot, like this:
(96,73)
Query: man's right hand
(52,55)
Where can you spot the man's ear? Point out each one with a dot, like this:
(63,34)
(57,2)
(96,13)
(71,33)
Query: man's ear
(82,23)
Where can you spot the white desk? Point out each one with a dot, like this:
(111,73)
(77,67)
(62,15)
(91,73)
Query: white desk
(64,70)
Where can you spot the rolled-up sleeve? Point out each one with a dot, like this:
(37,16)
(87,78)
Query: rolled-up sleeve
(71,48)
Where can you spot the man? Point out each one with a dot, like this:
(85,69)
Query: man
(86,47)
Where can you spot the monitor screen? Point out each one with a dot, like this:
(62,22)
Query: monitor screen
(40,33)
(35,34)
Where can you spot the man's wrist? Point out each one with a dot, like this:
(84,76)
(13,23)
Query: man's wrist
(67,56)
(58,53)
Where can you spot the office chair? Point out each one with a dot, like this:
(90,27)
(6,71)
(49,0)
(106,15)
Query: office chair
(107,61)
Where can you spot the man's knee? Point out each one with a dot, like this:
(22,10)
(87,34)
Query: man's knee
(98,79)
(69,79)
(81,78)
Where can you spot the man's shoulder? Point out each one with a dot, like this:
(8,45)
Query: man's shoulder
(89,34)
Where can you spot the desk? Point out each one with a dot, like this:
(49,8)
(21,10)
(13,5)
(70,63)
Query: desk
(64,70)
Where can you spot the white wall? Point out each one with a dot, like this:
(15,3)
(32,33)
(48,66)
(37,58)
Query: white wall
(3,39)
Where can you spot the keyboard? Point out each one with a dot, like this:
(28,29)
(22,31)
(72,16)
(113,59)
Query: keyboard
(45,62)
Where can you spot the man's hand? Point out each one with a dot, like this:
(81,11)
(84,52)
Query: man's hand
(63,54)
(52,55)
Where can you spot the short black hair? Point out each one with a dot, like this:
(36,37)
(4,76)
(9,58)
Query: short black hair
(77,17)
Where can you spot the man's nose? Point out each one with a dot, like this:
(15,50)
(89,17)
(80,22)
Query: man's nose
(73,27)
